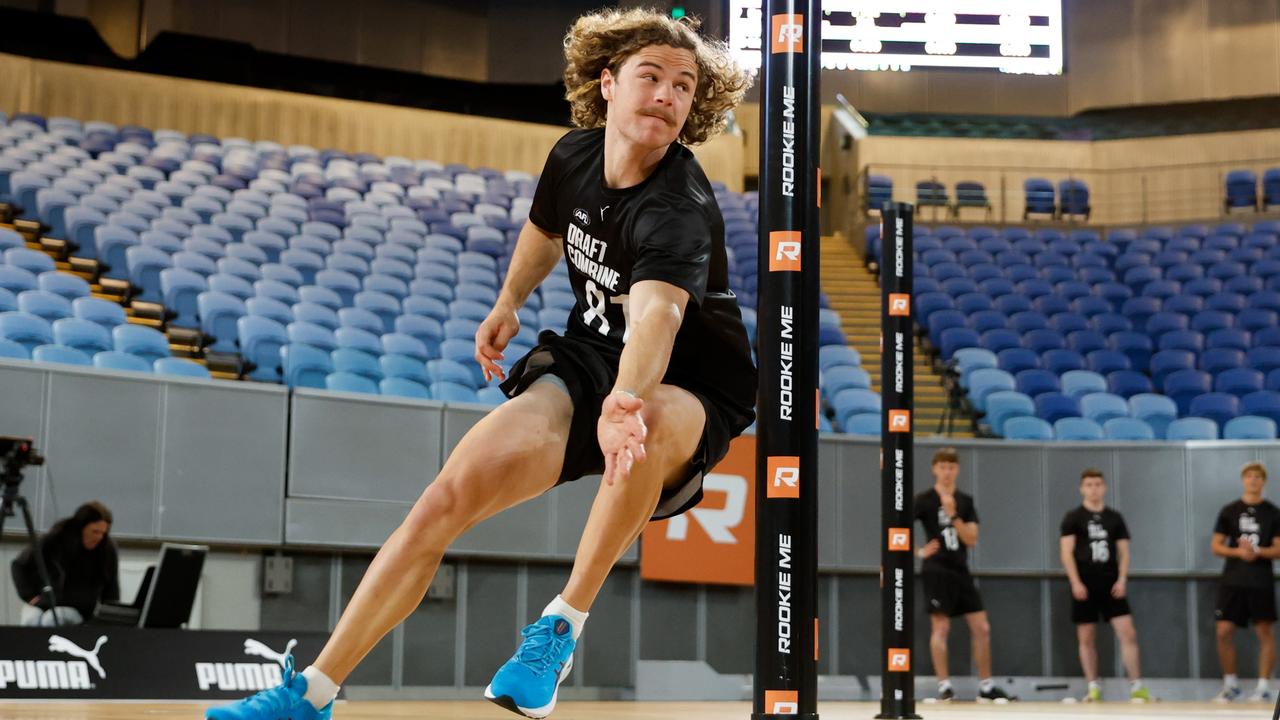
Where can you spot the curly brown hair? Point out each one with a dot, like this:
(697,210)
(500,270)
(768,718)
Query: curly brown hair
(606,38)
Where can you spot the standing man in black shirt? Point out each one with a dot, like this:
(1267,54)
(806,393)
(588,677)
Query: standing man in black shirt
(1095,553)
(649,384)
(1245,535)
(951,526)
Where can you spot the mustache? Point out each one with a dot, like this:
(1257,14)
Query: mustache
(661,114)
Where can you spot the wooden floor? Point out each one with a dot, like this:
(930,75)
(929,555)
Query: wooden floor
(646,711)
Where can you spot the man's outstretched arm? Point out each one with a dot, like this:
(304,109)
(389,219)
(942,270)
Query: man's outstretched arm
(536,255)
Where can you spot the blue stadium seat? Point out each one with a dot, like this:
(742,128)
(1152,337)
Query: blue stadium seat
(1061,360)
(1264,359)
(842,377)
(404,387)
(103,312)
(1127,383)
(358,339)
(1053,406)
(1027,428)
(451,392)
(1229,338)
(1040,198)
(863,424)
(44,304)
(320,296)
(83,335)
(1239,381)
(1156,410)
(60,354)
(404,366)
(1102,406)
(1127,428)
(1192,428)
(350,382)
(1104,361)
(26,329)
(147,343)
(1249,427)
(838,355)
(1005,404)
(1077,429)
(1184,385)
(1218,360)
(1041,341)
(114,360)
(426,329)
(854,401)
(1265,403)
(1078,383)
(1241,190)
(260,341)
(218,313)
(64,284)
(180,367)
(358,362)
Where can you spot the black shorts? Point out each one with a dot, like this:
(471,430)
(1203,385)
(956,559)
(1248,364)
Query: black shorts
(589,377)
(1100,604)
(1240,605)
(950,592)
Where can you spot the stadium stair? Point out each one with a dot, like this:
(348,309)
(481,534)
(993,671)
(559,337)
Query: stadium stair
(854,292)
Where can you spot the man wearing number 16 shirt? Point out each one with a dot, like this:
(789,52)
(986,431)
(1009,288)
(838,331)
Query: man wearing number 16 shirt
(1094,548)
(951,527)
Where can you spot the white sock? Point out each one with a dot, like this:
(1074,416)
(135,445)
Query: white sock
(986,685)
(1230,681)
(1095,684)
(944,685)
(576,618)
(320,689)
(1135,685)
(1263,685)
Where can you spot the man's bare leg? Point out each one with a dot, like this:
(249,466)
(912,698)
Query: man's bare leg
(1087,636)
(675,419)
(513,454)
(940,628)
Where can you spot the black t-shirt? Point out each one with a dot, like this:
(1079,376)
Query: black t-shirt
(666,228)
(953,555)
(1260,523)
(1097,535)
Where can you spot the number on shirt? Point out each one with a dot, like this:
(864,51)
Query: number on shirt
(598,305)
(1101,551)
(950,538)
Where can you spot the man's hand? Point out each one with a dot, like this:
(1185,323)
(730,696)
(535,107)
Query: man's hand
(1247,551)
(930,549)
(1120,589)
(492,337)
(948,504)
(1079,591)
(34,602)
(621,432)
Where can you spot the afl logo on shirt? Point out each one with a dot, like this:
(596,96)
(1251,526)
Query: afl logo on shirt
(581,216)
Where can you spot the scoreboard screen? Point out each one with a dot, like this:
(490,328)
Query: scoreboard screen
(1012,36)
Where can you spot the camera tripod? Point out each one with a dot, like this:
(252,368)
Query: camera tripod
(10,498)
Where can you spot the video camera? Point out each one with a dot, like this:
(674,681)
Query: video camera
(15,454)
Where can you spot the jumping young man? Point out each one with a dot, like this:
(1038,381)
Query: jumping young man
(1095,553)
(1245,534)
(951,526)
(648,385)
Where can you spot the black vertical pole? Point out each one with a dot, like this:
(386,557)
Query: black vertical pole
(897,695)
(786,679)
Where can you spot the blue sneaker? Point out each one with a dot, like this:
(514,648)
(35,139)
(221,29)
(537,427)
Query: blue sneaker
(283,701)
(528,682)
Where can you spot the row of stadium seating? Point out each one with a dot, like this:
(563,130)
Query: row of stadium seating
(1070,200)
(1241,191)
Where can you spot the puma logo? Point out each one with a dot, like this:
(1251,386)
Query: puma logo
(253,647)
(59,644)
